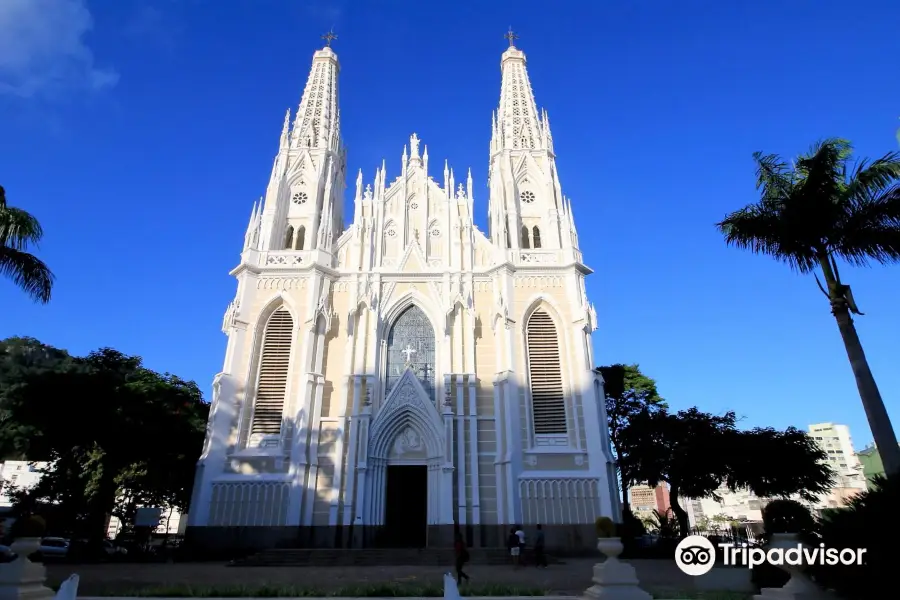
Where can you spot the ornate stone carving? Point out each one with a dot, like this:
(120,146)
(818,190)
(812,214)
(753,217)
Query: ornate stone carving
(408,441)
(231,313)
(284,260)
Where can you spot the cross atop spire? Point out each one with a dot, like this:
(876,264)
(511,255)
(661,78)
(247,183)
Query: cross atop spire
(328,37)
(511,36)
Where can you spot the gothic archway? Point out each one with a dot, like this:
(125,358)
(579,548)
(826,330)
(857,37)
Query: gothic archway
(411,342)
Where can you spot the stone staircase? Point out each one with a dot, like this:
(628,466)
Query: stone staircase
(374,557)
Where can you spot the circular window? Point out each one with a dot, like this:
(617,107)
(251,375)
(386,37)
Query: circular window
(528,196)
(414,205)
(300,198)
(435,232)
(391,233)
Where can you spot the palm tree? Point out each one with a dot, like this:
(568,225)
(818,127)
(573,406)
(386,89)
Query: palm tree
(18,230)
(819,210)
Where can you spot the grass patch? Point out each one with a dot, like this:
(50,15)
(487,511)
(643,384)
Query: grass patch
(386,590)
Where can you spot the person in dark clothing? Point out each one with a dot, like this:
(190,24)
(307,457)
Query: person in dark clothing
(462,557)
(540,559)
(512,543)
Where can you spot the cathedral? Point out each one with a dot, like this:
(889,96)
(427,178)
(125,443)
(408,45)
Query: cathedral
(391,379)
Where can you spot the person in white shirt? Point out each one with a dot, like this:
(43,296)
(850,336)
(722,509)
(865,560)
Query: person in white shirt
(520,533)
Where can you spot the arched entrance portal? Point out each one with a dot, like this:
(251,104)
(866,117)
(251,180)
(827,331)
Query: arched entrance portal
(410,474)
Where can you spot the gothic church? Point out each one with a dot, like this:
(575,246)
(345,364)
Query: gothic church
(387,380)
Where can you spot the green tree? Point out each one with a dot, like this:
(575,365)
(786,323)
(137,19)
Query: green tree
(116,433)
(779,464)
(628,392)
(18,231)
(697,453)
(820,210)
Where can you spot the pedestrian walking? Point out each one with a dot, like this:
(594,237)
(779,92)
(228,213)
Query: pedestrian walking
(540,558)
(462,557)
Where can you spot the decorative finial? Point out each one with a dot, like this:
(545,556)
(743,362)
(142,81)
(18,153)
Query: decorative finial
(511,36)
(328,37)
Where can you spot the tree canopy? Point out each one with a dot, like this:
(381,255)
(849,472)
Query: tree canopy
(696,453)
(628,392)
(116,434)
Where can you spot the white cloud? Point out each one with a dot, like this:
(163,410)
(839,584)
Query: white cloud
(43,50)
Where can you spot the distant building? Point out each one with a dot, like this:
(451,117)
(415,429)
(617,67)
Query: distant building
(742,505)
(172,522)
(850,479)
(870,459)
(645,499)
(18,474)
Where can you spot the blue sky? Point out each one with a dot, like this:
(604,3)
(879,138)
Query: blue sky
(140,133)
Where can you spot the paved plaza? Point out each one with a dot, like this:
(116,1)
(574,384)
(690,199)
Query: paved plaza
(568,579)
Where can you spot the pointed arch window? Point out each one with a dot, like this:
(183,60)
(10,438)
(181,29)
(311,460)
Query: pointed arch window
(288,237)
(536,237)
(271,382)
(524,241)
(548,402)
(411,342)
(300,238)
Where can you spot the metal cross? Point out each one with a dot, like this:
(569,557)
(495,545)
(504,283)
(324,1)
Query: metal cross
(328,37)
(511,36)
(409,351)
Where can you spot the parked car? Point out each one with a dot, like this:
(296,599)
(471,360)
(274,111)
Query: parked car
(53,547)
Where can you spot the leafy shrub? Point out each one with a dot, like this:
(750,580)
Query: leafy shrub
(868,521)
(28,527)
(605,527)
(787,516)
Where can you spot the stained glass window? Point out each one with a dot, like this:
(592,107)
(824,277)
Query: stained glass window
(411,342)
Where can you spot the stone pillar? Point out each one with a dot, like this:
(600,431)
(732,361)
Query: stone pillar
(23,579)
(613,579)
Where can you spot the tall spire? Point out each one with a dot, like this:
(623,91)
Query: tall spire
(317,124)
(517,117)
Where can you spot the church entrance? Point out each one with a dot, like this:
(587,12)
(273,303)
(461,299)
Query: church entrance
(406,506)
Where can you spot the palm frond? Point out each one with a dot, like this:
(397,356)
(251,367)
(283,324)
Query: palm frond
(823,173)
(869,180)
(18,228)
(760,228)
(871,230)
(28,272)
(773,177)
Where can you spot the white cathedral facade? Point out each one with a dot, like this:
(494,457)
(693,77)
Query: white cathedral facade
(394,378)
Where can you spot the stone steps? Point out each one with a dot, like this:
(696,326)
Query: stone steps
(322,557)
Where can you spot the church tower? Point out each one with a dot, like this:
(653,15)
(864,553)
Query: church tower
(527,209)
(303,205)
(389,380)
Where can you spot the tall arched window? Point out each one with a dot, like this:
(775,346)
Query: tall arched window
(524,242)
(536,236)
(271,382)
(545,372)
(411,343)
(288,237)
(301,237)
